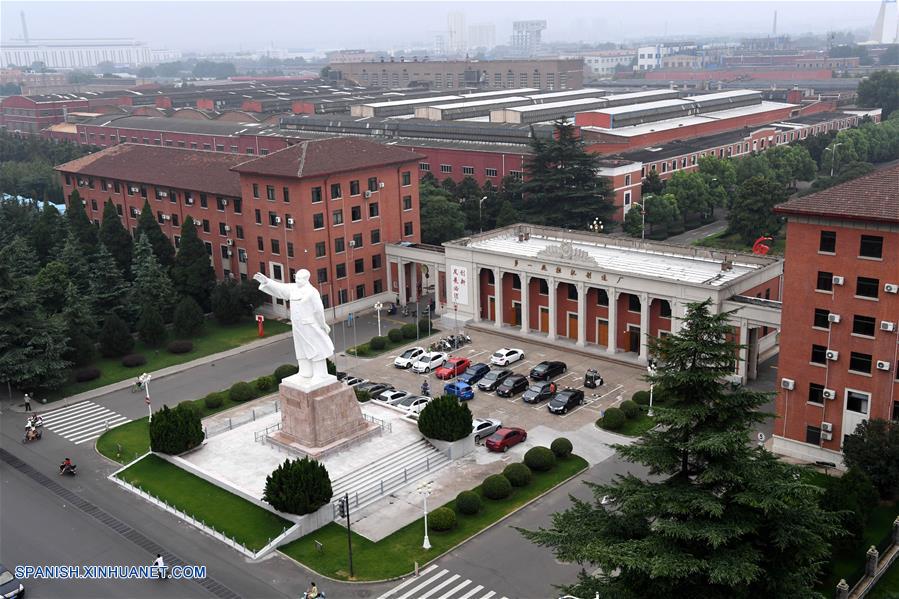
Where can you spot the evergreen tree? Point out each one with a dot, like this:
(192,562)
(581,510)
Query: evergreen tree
(80,226)
(162,246)
(507,215)
(442,218)
(226,302)
(20,259)
(722,517)
(115,338)
(48,234)
(50,286)
(192,273)
(752,213)
(562,187)
(151,283)
(188,319)
(109,292)
(652,184)
(81,328)
(116,239)
(150,327)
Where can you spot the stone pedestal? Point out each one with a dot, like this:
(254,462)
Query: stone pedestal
(320,417)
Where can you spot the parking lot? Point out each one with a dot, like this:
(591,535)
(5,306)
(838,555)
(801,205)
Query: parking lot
(621,381)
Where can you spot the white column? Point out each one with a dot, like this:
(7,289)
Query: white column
(644,327)
(525,301)
(390,276)
(744,351)
(613,320)
(551,287)
(476,288)
(435,281)
(677,316)
(581,314)
(413,286)
(498,297)
(401,281)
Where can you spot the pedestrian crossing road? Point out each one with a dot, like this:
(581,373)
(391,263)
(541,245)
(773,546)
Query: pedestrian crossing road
(435,582)
(82,421)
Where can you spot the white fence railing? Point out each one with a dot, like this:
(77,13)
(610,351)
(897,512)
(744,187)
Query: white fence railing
(224,425)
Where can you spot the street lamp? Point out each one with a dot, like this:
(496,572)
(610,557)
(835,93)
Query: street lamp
(595,226)
(145,382)
(480,220)
(379,306)
(642,219)
(425,490)
(833,158)
(651,370)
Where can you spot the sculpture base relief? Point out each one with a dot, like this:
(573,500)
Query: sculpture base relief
(320,416)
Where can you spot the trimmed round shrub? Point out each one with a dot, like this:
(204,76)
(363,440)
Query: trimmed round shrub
(177,430)
(496,486)
(285,370)
(612,420)
(410,331)
(540,459)
(443,518)
(395,335)
(424,324)
(180,346)
(561,447)
(265,383)
(298,486)
(641,398)
(468,503)
(82,375)
(518,474)
(214,400)
(240,392)
(378,343)
(630,408)
(362,395)
(446,419)
(132,360)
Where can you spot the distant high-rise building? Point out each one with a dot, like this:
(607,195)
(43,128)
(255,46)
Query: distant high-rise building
(456,27)
(886,27)
(526,36)
(441,44)
(482,35)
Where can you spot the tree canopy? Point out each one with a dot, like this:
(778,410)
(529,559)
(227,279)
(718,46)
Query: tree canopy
(441,217)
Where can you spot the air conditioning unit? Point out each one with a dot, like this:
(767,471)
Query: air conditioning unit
(277,220)
(227,227)
(84,202)
(838,280)
(163,194)
(827,427)
(883,365)
(289,222)
(189,201)
(224,201)
(135,189)
(230,253)
(230,242)
(788,384)
(891,287)
(833,355)
(380,185)
(834,318)
(367,194)
(826,436)
(886,325)
(829,394)
(166,217)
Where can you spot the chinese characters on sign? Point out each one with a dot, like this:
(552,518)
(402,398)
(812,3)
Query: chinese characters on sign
(459,284)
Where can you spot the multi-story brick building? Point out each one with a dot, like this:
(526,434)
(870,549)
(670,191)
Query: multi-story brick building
(327,205)
(838,364)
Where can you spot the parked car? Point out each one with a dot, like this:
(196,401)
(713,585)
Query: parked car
(482,428)
(592,379)
(416,406)
(505,356)
(10,585)
(354,381)
(504,438)
(512,385)
(374,389)
(539,391)
(405,359)
(391,396)
(428,362)
(340,375)
(474,373)
(493,379)
(565,400)
(459,390)
(411,400)
(452,368)
(548,370)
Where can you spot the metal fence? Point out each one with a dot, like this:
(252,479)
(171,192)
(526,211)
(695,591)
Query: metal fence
(226,424)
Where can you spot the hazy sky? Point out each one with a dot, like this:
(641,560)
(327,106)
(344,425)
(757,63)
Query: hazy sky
(222,26)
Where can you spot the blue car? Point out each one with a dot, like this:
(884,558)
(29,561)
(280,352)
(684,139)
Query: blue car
(474,373)
(459,390)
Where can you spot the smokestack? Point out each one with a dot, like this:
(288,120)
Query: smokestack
(24,27)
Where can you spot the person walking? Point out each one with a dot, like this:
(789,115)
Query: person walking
(27,403)
(159,563)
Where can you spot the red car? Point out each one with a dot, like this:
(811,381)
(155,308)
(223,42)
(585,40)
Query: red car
(505,438)
(452,368)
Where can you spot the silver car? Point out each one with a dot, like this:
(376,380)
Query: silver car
(392,396)
(413,404)
(484,427)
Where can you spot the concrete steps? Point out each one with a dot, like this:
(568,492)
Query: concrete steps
(405,465)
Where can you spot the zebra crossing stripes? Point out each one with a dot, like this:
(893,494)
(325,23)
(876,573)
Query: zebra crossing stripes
(81,422)
(433,580)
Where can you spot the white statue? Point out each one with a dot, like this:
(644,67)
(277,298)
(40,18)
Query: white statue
(307,315)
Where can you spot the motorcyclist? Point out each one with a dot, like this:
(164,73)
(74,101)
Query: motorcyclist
(312,591)
(425,388)
(66,465)
(31,433)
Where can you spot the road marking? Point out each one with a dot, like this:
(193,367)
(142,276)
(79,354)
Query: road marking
(409,581)
(82,422)
(446,582)
(427,582)
(455,589)
(472,592)
(472,353)
(434,580)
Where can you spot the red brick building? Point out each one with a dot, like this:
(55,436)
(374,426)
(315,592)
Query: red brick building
(327,205)
(838,364)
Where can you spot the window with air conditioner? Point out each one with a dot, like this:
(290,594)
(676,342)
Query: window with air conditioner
(867,287)
(816,393)
(864,325)
(821,320)
(819,354)
(813,435)
(825,281)
(859,362)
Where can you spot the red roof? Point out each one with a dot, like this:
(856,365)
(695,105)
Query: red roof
(873,197)
(316,157)
(162,166)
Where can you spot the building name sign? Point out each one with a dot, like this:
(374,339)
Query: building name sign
(459,284)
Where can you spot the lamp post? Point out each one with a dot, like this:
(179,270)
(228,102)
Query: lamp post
(145,381)
(595,226)
(425,490)
(480,220)
(651,369)
(833,158)
(379,306)
(642,220)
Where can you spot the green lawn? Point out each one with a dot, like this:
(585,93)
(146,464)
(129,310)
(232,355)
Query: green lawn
(847,562)
(888,586)
(722,241)
(234,516)
(396,555)
(215,338)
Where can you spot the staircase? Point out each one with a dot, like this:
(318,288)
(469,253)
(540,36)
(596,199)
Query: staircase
(404,466)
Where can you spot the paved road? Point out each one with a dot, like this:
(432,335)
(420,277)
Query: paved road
(688,237)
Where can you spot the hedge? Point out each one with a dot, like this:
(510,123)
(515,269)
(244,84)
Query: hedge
(132,360)
(378,343)
(561,447)
(240,392)
(177,430)
(446,419)
(441,519)
(630,408)
(395,335)
(362,395)
(612,420)
(496,486)
(518,474)
(90,373)
(265,383)
(298,486)
(180,346)
(468,503)
(214,400)
(285,370)
(541,459)
(641,398)
(410,331)
(424,324)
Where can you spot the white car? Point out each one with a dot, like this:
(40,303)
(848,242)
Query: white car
(505,356)
(408,357)
(392,396)
(428,362)
(482,428)
(416,405)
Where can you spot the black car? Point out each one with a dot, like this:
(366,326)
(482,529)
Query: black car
(474,373)
(540,391)
(548,370)
(493,379)
(565,400)
(9,584)
(512,385)
(375,389)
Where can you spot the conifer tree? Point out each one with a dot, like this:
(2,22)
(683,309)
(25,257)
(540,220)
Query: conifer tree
(76,262)
(116,239)
(48,234)
(81,327)
(151,283)
(80,226)
(192,273)
(162,246)
(109,292)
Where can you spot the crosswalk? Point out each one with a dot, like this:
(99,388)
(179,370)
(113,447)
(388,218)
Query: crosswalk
(433,580)
(81,422)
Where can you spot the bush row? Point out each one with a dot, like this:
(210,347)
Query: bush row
(406,332)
